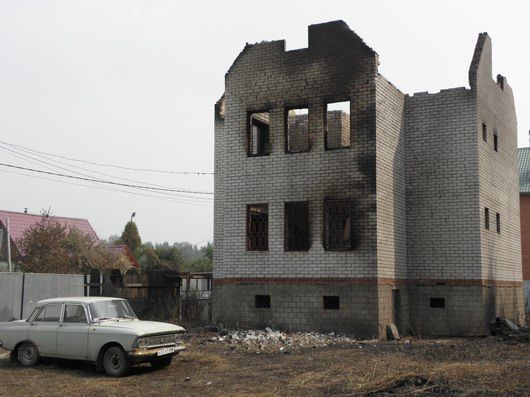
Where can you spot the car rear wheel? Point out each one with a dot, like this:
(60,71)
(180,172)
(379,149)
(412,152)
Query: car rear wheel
(27,354)
(115,361)
(161,362)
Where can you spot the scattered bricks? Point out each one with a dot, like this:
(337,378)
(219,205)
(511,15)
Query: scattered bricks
(273,341)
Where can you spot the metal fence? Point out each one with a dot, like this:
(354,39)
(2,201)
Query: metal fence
(19,292)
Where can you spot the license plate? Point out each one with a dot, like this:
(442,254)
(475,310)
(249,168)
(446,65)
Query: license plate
(166,350)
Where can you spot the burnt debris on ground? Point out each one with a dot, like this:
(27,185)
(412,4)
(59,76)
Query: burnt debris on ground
(270,341)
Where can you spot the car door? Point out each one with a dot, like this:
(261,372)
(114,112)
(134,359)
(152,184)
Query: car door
(72,334)
(43,329)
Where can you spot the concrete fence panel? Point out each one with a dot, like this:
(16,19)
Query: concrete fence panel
(19,292)
(10,294)
(39,286)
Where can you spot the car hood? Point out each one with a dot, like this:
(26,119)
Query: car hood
(142,327)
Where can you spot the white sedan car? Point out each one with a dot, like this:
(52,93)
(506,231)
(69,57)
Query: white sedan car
(96,329)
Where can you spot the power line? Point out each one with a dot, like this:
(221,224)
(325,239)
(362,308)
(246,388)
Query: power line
(177,201)
(156,189)
(206,200)
(18,154)
(111,165)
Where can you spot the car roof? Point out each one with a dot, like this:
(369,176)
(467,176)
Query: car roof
(79,299)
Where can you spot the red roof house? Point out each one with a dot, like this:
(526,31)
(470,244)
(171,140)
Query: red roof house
(19,222)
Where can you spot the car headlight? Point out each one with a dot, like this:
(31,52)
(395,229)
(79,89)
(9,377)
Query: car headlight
(142,342)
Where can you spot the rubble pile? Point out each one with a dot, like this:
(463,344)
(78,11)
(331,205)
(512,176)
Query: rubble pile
(270,340)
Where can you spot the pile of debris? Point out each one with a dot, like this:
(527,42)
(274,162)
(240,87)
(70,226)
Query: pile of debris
(504,328)
(270,340)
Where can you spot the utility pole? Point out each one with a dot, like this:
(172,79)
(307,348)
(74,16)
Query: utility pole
(9,247)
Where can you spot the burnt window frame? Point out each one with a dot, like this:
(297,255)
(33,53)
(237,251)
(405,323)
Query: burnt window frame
(286,232)
(248,239)
(286,110)
(250,124)
(331,302)
(486,218)
(352,245)
(326,148)
(484,132)
(262,301)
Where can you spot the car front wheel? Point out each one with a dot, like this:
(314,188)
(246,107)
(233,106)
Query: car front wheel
(161,362)
(115,361)
(28,355)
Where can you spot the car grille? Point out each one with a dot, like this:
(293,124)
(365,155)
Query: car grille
(158,340)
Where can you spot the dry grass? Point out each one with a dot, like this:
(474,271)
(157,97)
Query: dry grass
(451,367)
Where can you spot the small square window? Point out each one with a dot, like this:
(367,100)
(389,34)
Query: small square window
(495,141)
(437,303)
(337,125)
(484,132)
(498,222)
(297,130)
(331,302)
(262,302)
(487,218)
(258,137)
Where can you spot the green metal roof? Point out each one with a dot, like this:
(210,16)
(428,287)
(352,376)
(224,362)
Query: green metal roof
(524,170)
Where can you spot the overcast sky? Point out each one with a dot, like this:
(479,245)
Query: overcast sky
(133,83)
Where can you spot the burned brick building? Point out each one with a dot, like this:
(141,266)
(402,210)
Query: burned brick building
(343,204)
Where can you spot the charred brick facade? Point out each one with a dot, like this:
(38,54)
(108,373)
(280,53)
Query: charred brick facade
(393,190)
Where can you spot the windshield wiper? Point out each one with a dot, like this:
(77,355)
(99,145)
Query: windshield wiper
(103,318)
(127,317)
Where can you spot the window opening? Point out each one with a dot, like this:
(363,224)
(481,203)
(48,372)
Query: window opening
(437,303)
(296,226)
(337,129)
(258,137)
(338,224)
(331,302)
(262,301)
(297,130)
(495,141)
(257,227)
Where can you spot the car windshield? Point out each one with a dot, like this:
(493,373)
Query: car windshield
(111,309)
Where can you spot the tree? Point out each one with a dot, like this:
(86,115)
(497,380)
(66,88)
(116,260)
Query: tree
(170,256)
(49,247)
(131,238)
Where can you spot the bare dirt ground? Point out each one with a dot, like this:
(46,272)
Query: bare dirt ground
(423,367)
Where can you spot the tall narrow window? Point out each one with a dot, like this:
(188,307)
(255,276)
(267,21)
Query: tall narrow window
(498,222)
(257,227)
(337,125)
(487,218)
(338,214)
(258,137)
(495,141)
(296,226)
(297,130)
(484,132)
